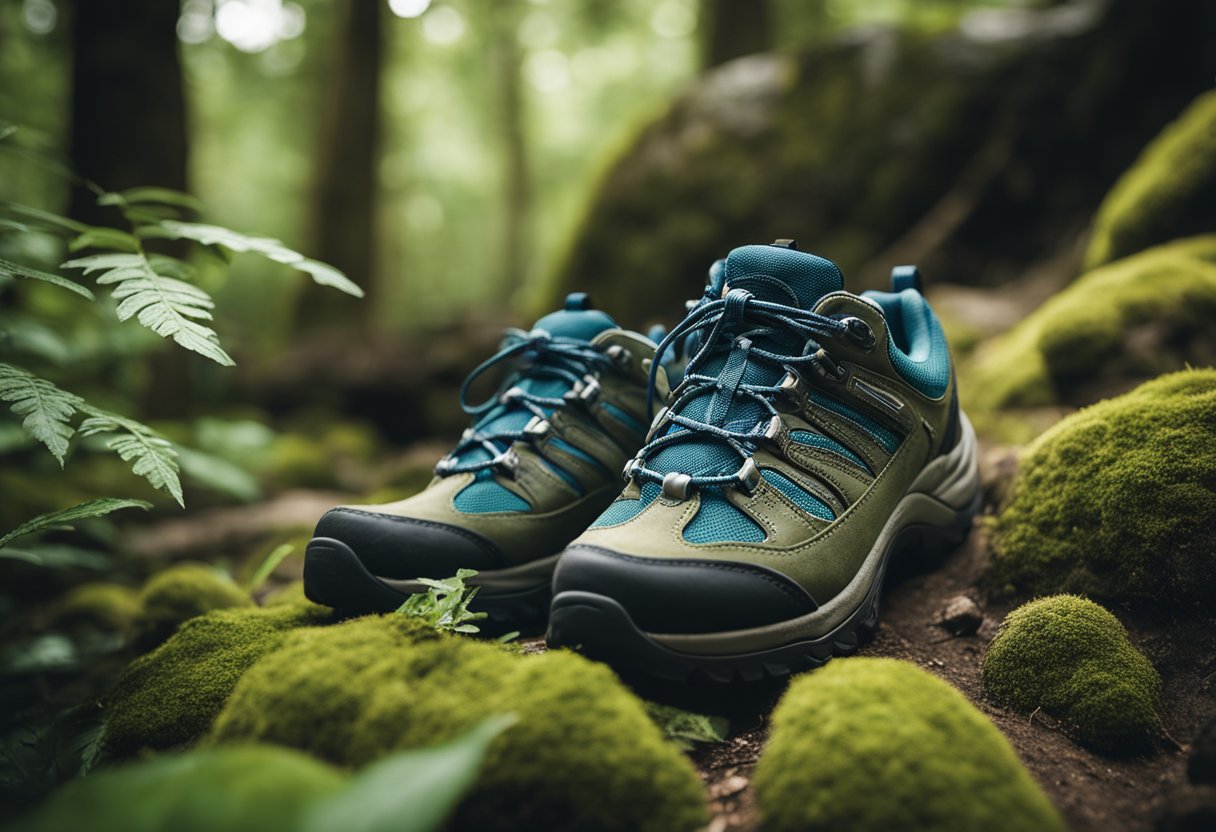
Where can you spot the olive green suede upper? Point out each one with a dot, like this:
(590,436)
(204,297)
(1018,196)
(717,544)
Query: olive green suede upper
(557,510)
(821,555)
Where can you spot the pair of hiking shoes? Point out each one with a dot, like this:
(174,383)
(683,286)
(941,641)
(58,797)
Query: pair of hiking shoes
(804,437)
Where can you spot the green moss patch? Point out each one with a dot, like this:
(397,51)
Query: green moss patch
(1130,320)
(1118,501)
(106,606)
(583,754)
(880,744)
(1167,193)
(180,593)
(249,789)
(1072,658)
(170,696)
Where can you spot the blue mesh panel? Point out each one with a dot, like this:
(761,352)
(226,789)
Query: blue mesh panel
(818,440)
(623,510)
(718,521)
(809,276)
(917,345)
(802,498)
(695,458)
(883,436)
(484,496)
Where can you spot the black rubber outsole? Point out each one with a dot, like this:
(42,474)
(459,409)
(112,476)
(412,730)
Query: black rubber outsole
(335,577)
(600,628)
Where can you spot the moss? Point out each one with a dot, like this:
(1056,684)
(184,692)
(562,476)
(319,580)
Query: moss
(240,788)
(583,755)
(288,594)
(1118,501)
(106,606)
(180,593)
(1167,193)
(881,744)
(1118,324)
(170,696)
(1072,658)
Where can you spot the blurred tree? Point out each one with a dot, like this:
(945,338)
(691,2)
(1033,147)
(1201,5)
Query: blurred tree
(128,128)
(343,213)
(128,123)
(733,28)
(506,65)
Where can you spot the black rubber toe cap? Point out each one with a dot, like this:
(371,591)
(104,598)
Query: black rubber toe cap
(405,547)
(683,596)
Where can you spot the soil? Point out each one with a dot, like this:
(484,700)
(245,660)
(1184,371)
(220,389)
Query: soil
(1093,792)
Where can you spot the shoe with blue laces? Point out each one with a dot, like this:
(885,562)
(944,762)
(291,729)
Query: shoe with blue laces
(539,463)
(816,434)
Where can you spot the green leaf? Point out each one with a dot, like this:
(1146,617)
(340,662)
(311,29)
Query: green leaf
(60,556)
(412,791)
(46,409)
(155,196)
(219,474)
(165,305)
(152,456)
(99,237)
(11,269)
(7,131)
(39,217)
(82,511)
(686,728)
(445,604)
(267,247)
(268,566)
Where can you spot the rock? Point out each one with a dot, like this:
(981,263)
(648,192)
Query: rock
(866,744)
(1116,502)
(1201,766)
(1071,658)
(962,616)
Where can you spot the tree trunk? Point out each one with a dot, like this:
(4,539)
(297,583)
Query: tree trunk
(343,214)
(516,188)
(733,28)
(129,129)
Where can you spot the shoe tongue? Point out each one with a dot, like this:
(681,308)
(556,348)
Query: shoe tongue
(782,274)
(579,324)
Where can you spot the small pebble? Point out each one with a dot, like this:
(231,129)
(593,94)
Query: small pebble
(961,616)
(728,787)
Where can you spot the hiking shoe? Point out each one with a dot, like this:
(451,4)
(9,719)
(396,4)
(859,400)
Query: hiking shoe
(539,463)
(816,434)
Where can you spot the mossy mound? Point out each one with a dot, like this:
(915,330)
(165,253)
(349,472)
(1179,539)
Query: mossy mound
(1072,658)
(236,789)
(867,744)
(1166,194)
(583,755)
(105,606)
(1119,324)
(1118,501)
(180,593)
(170,696)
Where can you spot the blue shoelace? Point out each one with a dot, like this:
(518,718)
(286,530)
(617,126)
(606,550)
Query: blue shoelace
(732,324)
(542,356)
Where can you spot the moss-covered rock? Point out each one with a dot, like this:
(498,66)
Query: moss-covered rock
(823,145)
(866,744)
(180,593)
(1072,658)
(583,755)
(1118,501)
(238,789)
(1167,193)
(170,696)
(106,606)
(1117,325)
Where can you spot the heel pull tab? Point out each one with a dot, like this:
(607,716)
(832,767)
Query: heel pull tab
(906,277)
(784,243)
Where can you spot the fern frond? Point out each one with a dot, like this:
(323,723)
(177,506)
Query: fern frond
(59,519)
(271,249)
(167,306)
(46,410)
(11,269)
(151,455)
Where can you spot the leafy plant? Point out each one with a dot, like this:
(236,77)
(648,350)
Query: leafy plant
(445,604)
(686,728)
(158,290)
(266,567)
